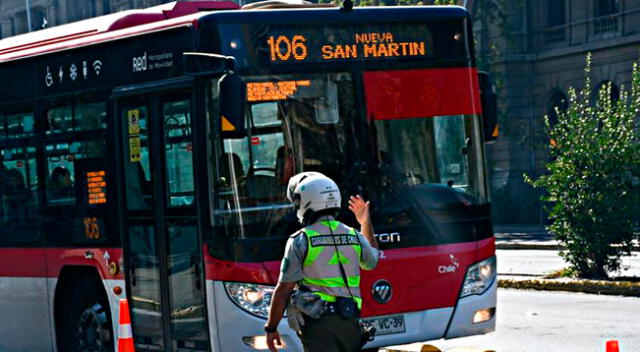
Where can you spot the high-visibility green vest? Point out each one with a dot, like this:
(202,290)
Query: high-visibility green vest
(321,271)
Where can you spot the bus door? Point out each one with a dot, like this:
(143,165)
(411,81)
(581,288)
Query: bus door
(164,271)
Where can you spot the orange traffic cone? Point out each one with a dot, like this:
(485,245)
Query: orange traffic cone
(125,335)
(612,346)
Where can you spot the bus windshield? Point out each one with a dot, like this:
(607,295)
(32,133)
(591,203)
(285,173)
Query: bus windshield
(427,181)
(293,123)
(419,172)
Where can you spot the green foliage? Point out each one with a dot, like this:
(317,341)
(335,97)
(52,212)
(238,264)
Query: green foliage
(403,2)
(564,272)
(593,182)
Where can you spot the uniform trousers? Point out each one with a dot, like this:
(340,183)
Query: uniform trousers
(331,333)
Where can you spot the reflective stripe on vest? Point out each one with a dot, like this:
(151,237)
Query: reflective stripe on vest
(320,267)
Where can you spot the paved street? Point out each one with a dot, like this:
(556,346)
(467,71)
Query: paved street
(533,321)
(543,262)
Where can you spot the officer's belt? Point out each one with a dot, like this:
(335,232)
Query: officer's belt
(332,308)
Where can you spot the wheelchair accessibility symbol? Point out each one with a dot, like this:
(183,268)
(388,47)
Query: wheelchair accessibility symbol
(48,78)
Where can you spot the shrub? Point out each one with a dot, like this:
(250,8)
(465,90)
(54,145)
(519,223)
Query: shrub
(592,183)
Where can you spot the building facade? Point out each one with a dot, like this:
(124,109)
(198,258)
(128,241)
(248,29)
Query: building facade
(537,53)
(15,19)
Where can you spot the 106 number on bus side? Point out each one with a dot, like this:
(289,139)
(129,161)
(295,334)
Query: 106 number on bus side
(91,228)
(284,48)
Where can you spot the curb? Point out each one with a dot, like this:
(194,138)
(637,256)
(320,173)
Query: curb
(431,348)
(601,287)
(548,247)
(424,348)
(539,246)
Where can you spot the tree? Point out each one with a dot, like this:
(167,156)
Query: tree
(398,2)
(592,183)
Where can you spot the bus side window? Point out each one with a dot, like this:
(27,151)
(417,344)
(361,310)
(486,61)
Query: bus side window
(76,180)
(62,155)
(17,198)
(252,172)
(60,184)
(90,117)
(19,186)
(137,163)
(233,163)
(60,120)
(59,165)
(3,128)
(178,152)
(3,168)
(61,159)
(20,126)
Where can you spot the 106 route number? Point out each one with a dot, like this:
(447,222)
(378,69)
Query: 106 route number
(283,48)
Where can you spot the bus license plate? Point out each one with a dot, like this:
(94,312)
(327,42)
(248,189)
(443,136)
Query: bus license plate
(388,325)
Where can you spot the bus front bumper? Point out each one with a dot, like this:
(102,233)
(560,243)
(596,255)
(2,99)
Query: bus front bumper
(478,308)
(233,329)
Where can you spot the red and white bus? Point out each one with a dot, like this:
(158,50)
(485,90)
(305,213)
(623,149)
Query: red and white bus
(130,169)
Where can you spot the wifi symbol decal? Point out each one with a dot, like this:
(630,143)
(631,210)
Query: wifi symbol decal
(97,67)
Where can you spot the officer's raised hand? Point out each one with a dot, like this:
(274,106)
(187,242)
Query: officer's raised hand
(360,208)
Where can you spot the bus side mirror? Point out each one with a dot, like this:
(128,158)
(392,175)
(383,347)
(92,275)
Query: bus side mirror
(231,89)
(489,102)
(232,93)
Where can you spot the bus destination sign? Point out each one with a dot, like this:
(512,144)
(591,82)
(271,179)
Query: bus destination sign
(347,43)
(268,91)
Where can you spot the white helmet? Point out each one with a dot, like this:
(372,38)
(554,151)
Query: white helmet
(313,192)
(295,179)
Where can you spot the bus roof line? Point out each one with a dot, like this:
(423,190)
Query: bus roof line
(99,38)
(107,23)
(309,15)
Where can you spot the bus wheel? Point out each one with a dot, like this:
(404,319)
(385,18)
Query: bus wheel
(90,319)
(93,329)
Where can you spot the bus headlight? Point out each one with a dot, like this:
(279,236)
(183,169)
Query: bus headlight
(253,298)
(479,277)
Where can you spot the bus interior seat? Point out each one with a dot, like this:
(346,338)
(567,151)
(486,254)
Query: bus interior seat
(284,166)
(16,196)
(231,168)
(60,184)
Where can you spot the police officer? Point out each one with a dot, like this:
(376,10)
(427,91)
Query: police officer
(324,258)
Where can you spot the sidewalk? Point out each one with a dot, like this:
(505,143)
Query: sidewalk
(524,237)
(527,237)
(528,254)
